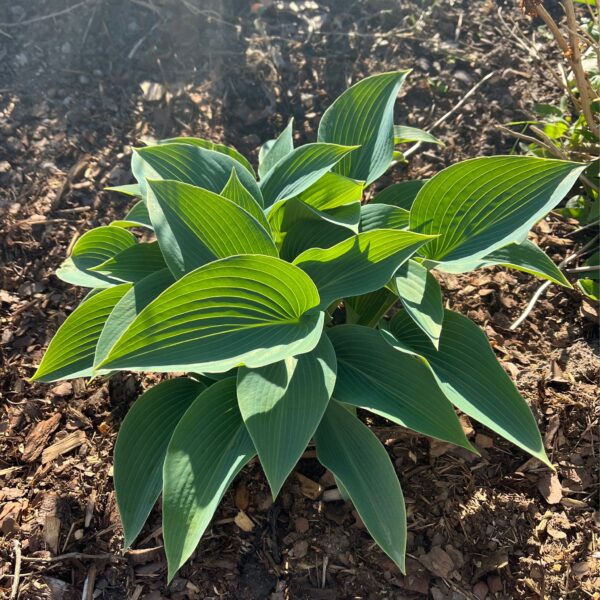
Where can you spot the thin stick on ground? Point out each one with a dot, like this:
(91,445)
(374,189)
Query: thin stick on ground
(14,591)
(538,293)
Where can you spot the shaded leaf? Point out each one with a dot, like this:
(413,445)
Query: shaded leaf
(209,447)
(401,194)
(471,377)
(141,448)
(421,297)
(395,385)
(382,216)
(360,463)
(282,405)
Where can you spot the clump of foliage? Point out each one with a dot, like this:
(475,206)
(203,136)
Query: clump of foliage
(570,130)
(268,300)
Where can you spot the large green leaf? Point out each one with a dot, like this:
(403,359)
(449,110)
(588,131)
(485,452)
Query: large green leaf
(133,263)
(273,151)
(222,148)
(360,264)
(332,191)
(471,377)
(298,170)
(358,460)
(195,226)
(127,309)
(401,194)
(137,217)
(235,191)
(282,405)
(363,116)
(91,250)
(403,134)
(195,165)
(292,213)
(318,233)
(395,385)
(252,310)
(383,216)
(368,309)
(526,257)
(142,446)
(483,204)
(71,351)
(209,447)
(421,297)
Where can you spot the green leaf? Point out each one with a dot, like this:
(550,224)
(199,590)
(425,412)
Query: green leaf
(483,204)
(209,447)
(274,150)
(252,310)
(358,460)
(142,446)
(401,194)
(404,134)
(287,215)
(92,249)
(137,217)
(195,165)
(195,226)
(71,351)
(127,309)
(368,309)
(130,189)
(332,191)
(282,405)
(471,377)
(133,263)
(235,191)
(298,170)
(363,116)
(304,235)
(526,257)
(395,385)
(360,264)
(222,148)
(383,216)
(421,297)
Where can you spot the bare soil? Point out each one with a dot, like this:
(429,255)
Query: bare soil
(83,82)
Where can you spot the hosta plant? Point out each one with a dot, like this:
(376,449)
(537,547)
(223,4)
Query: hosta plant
(267,299)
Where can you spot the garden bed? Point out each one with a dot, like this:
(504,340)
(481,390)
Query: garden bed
(77,90)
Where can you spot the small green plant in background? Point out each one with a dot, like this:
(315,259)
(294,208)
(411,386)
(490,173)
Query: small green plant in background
(268,300)
(570,130)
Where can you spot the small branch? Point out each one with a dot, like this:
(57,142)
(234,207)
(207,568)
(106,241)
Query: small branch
(414,148)
(72,555)
(45,17)
(14,591)
(574,55)
(536,296)
(584,269)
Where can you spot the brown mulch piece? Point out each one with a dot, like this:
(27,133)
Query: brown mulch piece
(80,84)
